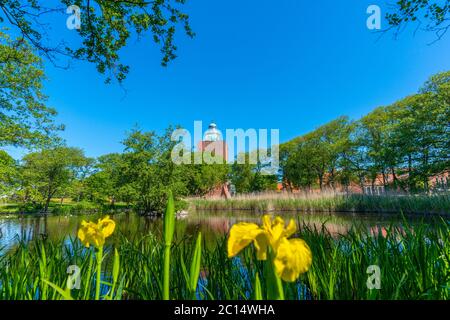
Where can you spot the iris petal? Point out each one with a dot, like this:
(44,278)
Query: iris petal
(96,233)
(261,243)
(293,258)
(241,235)
(276,229)
(107,226)
(290,229)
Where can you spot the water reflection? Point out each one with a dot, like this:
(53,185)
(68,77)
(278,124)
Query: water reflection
(212,225)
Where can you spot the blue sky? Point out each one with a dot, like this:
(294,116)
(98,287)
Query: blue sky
(289,65)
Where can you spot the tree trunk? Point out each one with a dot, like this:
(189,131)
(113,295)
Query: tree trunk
(47,202)
(410,186)
(333,186)
(394,179)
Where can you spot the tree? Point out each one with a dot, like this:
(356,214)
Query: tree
(420,130)
(49,171)
(356,159)
(431,15)
(335,138)
(374,139)
(202,178)
(25,120)
(8,173)
(77,188)
(149,170)
(247,177)
(405,143)
(106,182)
(105,28)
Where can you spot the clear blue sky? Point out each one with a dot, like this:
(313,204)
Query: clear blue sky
(289,65)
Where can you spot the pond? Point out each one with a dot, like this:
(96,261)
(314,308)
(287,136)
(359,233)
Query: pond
(213,225)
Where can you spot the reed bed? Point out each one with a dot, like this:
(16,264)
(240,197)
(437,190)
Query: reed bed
(329,202)
(414,264)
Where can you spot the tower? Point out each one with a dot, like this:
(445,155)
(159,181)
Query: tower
(213,142)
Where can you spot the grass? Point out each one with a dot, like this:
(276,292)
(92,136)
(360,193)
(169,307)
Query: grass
(408,204)
(414,263)
(56,208)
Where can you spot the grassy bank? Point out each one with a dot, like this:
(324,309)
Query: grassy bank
(408,204)
(414,265)
(56,208)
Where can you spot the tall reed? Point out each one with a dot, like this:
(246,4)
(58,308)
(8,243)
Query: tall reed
(329,202)
(169,228)
(414,263)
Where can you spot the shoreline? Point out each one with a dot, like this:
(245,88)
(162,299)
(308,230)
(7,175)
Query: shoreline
(437,205)
(340,212)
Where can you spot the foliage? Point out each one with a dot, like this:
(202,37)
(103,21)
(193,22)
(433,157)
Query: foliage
(317,155)
(106,28)
(247,177)
(405,141)
(414,265)
(385,204)
(431,15)
(202,178)
(25,120)
(8,173)
(149,170)
(46,172)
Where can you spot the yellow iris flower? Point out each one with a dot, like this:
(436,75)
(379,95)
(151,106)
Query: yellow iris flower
(291,257)
(96,233)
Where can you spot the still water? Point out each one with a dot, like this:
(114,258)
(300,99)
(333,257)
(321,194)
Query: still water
(212,225)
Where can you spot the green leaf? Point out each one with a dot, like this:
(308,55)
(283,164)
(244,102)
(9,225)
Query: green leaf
(64,293)
(169,220)
(257,294)
(195,265)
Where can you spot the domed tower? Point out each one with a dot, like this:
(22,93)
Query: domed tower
(212,134)
(213,143)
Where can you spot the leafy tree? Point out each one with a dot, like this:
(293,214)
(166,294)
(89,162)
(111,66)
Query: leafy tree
(8,173)
(356,161)
(307,162)
(318,155)
(419,134)
(106,27)
(247,177)
(405,143)
(241,177)
(77,188)
(335,137)
(202,178)
(107,181)
(25,120)
(431,15)
(149,170)
(47,172)
(375,141)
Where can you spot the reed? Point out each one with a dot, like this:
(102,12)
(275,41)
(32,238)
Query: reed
(329,202)
(414,263)
(169,228)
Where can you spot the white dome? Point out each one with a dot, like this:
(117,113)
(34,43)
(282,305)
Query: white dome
(212,134)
